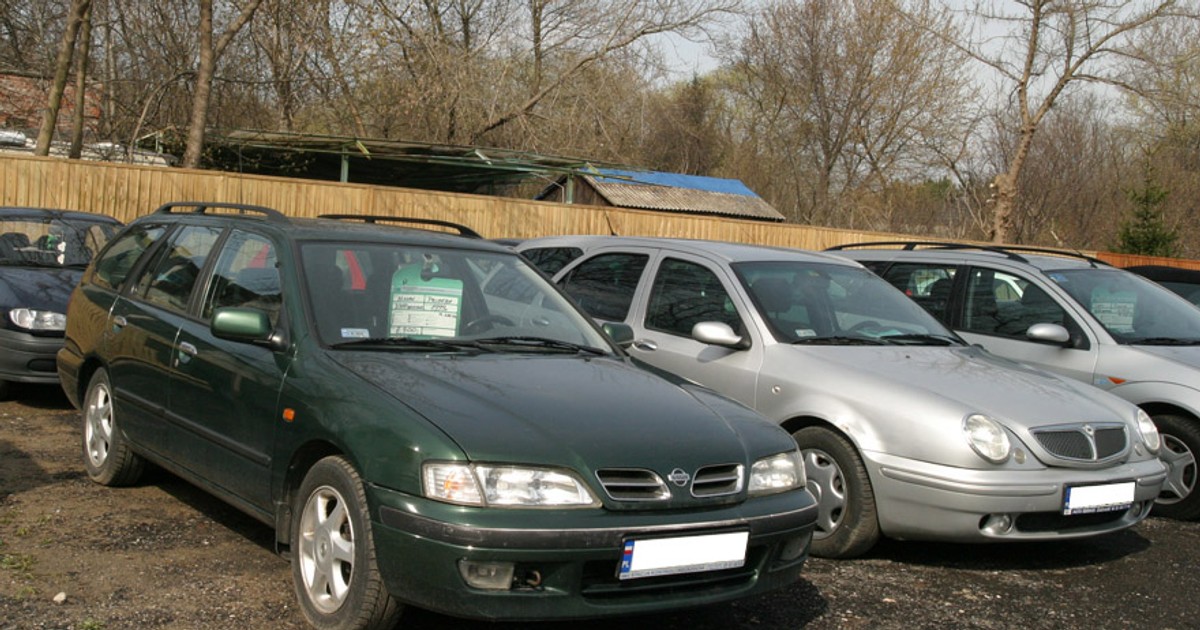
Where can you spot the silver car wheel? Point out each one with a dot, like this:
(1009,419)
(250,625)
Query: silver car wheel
(827,483)
(98,425)
(1181,470)
(326,553)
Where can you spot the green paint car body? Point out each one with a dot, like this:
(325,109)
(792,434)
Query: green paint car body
(424,420)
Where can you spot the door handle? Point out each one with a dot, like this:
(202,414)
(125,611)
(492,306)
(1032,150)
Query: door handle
(645,344)
(119,321)
(186,352)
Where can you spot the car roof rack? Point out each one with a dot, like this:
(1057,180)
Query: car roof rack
(373,218)
(202,207)
(1008,251)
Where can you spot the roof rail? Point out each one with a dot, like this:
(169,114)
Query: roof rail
(1008,251)
(202,207)
(372,218)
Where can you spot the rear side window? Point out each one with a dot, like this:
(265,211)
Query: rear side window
(169,281)
(114,266)
(928,285)
(551,260)
(685,294)
(604,286)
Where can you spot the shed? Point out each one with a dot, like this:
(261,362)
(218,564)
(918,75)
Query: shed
(664,192)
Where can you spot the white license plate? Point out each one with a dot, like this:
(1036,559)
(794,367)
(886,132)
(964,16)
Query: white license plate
(684,554)
(1103,498)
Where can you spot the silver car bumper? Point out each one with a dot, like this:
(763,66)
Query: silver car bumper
(923,501)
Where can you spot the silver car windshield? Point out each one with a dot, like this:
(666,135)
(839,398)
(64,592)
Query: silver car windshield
(817,303)
(394,296)
(1132,309)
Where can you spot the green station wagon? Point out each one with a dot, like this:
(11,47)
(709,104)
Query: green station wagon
(423,419)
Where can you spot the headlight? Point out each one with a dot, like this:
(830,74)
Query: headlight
(504,486)
(30,319)
(1149,431)
(987,438)
(777,473)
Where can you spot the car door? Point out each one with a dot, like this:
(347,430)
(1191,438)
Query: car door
(680,292)
(224,393)
(145,322)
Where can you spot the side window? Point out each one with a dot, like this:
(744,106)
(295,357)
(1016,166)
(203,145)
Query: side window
(604,285)
(552,259)
(685,294)
(928,285)
(246,276)
(168,282)
(112,269)
(1000,303)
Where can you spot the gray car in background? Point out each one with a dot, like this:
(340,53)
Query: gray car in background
(907,431)
(1074,315)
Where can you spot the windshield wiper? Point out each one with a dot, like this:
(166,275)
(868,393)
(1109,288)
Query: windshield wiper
(839,340)
(941,340)
(413,343)
(1163,341)
(543,342)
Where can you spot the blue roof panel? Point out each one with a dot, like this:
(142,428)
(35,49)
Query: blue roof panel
(677,180)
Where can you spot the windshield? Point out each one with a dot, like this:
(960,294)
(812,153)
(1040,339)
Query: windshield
(1131,308)
(806,302)
(429,297)
(52,242)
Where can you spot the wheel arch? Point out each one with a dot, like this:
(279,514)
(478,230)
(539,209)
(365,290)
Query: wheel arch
(302,460)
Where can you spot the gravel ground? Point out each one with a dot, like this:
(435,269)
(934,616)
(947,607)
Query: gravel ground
(163,554)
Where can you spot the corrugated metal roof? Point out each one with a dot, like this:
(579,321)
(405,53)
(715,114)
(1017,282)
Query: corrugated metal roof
(625,194)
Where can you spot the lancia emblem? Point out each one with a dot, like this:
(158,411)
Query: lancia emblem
(679,477)
(1087,428)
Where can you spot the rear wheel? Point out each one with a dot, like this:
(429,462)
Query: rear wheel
(334,571)
(847,525)
(106,453)
(1180,446)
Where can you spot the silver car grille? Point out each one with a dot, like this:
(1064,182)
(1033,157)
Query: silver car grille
(1085,441)
(636,484)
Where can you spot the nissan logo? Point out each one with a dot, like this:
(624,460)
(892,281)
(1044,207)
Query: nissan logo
(679,477)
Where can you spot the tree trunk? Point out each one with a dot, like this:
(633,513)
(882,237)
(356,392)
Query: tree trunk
(62,66)
(81,70)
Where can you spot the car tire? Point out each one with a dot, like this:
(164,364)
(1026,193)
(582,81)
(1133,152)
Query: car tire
(847,525)
(334,570)
(106,454)
(1180,497)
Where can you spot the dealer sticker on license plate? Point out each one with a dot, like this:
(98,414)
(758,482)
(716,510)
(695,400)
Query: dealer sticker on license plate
(1103,498)
(684,554)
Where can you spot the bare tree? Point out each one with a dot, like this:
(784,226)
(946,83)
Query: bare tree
(210,53)
(1041,49)
(62,66)
(81,73)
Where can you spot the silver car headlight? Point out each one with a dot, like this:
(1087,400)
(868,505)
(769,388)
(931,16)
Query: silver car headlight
(988,439)
(1149,432)
(777,473)
(504,486)
(31,319)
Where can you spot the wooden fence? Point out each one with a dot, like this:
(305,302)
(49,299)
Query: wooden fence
(128,191)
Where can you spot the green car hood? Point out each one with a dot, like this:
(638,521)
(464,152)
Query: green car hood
(584,413)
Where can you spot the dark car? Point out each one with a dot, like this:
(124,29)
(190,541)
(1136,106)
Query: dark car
(424,419)
(1184,282)
(42,254)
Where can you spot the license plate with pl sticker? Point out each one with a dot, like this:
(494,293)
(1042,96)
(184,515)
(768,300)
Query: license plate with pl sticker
(647,557)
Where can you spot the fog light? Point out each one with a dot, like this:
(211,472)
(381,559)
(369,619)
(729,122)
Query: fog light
(493,576)
(794,548)
(998,524)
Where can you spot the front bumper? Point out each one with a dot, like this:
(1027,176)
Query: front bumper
(25,358)
(922,501)
(566,561)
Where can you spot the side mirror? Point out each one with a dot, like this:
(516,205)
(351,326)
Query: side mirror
(621,334)
(248,325)
(718,334)
(1048,333)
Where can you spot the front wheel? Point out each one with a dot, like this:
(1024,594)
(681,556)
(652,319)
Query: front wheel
(334,571)
(846,522)
(1180,446)
(106,453)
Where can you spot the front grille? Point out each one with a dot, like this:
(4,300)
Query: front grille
(1084,442)
(1035,522)
(715,481)
(633,484)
